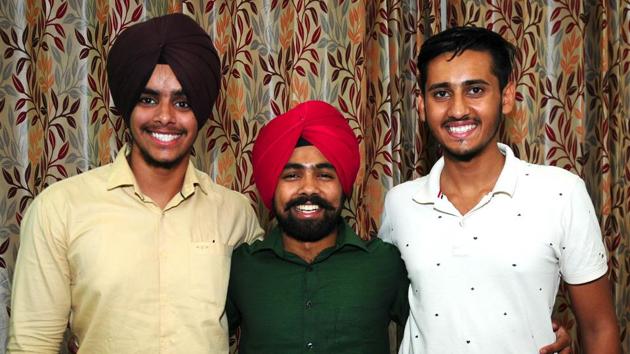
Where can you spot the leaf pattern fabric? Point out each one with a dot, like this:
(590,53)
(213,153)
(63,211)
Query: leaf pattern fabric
(573,73)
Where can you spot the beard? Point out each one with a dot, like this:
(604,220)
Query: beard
(309,230)
(167,165)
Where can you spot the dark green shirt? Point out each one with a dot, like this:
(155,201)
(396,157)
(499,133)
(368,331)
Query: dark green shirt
(341,303)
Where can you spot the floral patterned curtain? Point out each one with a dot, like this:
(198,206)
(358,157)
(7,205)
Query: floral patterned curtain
(56,116)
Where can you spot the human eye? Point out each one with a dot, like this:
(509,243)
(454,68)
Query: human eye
(182,104)
(147,100)
(289,175)
(440,94)
(476,90)
(327,175)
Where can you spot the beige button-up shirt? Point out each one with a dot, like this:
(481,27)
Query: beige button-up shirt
(131,277)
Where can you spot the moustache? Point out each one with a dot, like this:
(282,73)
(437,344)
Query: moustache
(459,119)
(162,128)
(313,199)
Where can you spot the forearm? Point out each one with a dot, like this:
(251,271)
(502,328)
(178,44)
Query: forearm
(595,313)
(600,339)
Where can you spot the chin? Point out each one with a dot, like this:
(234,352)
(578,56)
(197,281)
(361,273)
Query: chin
(164,162)
(461,155)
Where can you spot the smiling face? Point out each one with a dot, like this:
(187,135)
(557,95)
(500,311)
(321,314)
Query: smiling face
(163,126)
(463,103)
(308,198)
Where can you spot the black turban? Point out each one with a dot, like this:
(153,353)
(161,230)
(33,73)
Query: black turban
(176,40)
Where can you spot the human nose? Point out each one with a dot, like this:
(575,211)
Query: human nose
(309,183)
(165,112)
(458,107)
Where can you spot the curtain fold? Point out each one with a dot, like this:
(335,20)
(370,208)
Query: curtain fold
(572,70)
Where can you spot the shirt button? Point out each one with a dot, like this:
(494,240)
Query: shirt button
(309,345)
(309,269)
(309,304)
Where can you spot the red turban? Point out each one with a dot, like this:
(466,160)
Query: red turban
(176,40)
(321,125)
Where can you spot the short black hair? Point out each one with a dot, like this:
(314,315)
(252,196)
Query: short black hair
(456,40)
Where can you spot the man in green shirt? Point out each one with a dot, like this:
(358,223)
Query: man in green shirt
(313,285)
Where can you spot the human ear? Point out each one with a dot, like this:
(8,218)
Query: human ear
(421,110)
(508,97)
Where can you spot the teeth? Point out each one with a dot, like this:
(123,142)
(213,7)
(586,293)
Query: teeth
(307,207)
(462,128)
(165,137)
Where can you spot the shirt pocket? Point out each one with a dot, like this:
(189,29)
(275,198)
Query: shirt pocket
(209,273)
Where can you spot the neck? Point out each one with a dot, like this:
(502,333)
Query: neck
(159,184)
(465,182)
(308,250)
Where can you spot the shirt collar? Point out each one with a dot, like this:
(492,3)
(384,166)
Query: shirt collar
(122,176)
(345,237)
(429,189)
(509,174)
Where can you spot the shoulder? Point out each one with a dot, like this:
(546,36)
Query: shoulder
(55,202)
(245,250)
(78,186)
(248,259)
(384,250)
(550,178)
(378,245)
(225,197)
(553,172)
(232,212)
(383,258)
(406,190)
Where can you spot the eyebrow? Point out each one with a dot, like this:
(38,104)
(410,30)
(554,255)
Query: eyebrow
(301,166)
(175,93)
(442,85)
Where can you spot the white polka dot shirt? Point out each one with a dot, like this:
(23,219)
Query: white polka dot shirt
(486,282)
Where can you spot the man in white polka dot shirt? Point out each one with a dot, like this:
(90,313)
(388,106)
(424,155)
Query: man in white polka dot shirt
(487,238)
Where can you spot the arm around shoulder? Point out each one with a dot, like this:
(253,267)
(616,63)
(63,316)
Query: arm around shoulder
(41,284)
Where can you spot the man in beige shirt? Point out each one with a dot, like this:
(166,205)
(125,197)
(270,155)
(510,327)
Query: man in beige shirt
(136,254)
